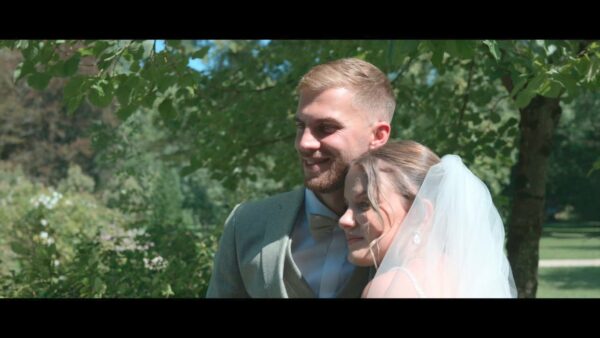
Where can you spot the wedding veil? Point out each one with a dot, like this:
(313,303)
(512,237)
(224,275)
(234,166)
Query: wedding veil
(451,243)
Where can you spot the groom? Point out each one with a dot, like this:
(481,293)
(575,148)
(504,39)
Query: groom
(289,245)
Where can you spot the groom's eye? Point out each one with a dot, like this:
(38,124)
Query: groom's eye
(327,129)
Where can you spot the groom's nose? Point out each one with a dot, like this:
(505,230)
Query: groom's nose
(307,142)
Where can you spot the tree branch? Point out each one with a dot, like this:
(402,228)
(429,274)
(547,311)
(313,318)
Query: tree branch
(403,69)
(466,96)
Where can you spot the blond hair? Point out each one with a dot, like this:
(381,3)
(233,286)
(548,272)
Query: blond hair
(405,163)
(373,89)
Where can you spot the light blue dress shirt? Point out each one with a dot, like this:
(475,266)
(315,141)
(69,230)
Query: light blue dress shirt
(323,262)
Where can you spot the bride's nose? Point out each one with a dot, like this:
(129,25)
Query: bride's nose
(347,220)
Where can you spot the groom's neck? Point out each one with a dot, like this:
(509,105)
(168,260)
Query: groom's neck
(333,200)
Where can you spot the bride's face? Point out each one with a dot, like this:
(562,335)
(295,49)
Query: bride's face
(362,224)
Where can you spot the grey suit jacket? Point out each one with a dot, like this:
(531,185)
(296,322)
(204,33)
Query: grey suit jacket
(254,258)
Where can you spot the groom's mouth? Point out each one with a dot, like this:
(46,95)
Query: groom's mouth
(314,164)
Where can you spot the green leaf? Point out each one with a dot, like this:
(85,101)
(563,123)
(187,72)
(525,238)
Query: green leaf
(518,86)
(495,117)
(135,66)
(173,43)
(200,53)
(512,121)
(568,82)
(73,103)
(101,94)
(39,81)
(552,89)
(167,291)
(524,97)
(164,82)
(74,87)
(166,110)
(23,69)
(125,111)
(99,286)
(71,66)
(537,82)
(407,47)
(148,100)
(493,47)
(100,46)
(18,248)
(86,51)
(124,93)
(462,49)
(595,167)
(437,59)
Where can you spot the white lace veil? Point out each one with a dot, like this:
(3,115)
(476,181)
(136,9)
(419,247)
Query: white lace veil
(451,243)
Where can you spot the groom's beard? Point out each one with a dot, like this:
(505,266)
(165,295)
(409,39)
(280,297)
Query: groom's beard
(330,180)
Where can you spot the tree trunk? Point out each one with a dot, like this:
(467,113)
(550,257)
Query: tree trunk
(538,123)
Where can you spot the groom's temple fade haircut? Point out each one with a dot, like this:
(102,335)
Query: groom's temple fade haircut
(373,89)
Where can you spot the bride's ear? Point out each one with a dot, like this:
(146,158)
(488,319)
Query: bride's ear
(428,213)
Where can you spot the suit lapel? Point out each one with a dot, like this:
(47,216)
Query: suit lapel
(295,285)
(281,219)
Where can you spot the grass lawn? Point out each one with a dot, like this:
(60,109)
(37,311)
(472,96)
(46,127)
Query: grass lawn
(576,282)
(570,241)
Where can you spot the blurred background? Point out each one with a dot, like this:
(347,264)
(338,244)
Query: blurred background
(121,159)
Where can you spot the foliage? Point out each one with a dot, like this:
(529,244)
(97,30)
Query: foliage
(67,244)
(36,133)
(577,143)
(231,126)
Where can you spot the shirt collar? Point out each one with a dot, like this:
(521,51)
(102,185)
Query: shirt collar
(314,205)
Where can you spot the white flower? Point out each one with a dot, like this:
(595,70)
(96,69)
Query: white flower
(44,235)
(44,222)
(56,263)
(49,202)
(156,264)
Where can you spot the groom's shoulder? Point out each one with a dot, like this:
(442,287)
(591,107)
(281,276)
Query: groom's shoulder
(287,198)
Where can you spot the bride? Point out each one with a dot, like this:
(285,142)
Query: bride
(429,226)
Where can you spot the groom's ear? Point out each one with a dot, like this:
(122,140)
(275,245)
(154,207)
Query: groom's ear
(380,134)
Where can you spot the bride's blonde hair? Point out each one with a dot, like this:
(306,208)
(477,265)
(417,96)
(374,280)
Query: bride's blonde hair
(405,164)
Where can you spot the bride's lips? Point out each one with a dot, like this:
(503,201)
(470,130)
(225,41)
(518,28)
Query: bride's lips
(353,239)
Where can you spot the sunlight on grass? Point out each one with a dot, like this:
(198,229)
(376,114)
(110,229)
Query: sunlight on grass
(569,282)
(566,241)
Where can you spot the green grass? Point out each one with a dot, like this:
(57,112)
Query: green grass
(570,241)
(576,282)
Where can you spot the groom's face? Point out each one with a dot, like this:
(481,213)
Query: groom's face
(331,132)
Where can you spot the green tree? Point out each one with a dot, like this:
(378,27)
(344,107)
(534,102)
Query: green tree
(487,101)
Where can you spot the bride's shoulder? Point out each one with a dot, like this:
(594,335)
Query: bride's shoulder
(394,283)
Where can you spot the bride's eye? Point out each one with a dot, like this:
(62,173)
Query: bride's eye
(363,206)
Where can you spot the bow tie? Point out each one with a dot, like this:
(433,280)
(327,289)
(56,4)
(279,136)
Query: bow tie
(321,226)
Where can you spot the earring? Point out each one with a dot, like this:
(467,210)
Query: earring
(416,237)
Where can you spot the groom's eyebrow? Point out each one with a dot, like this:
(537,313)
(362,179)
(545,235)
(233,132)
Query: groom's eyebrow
(321,120)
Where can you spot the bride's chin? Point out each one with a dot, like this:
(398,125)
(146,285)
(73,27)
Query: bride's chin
(362,261)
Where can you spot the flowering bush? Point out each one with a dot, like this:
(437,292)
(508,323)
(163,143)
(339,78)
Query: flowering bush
(66,243)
